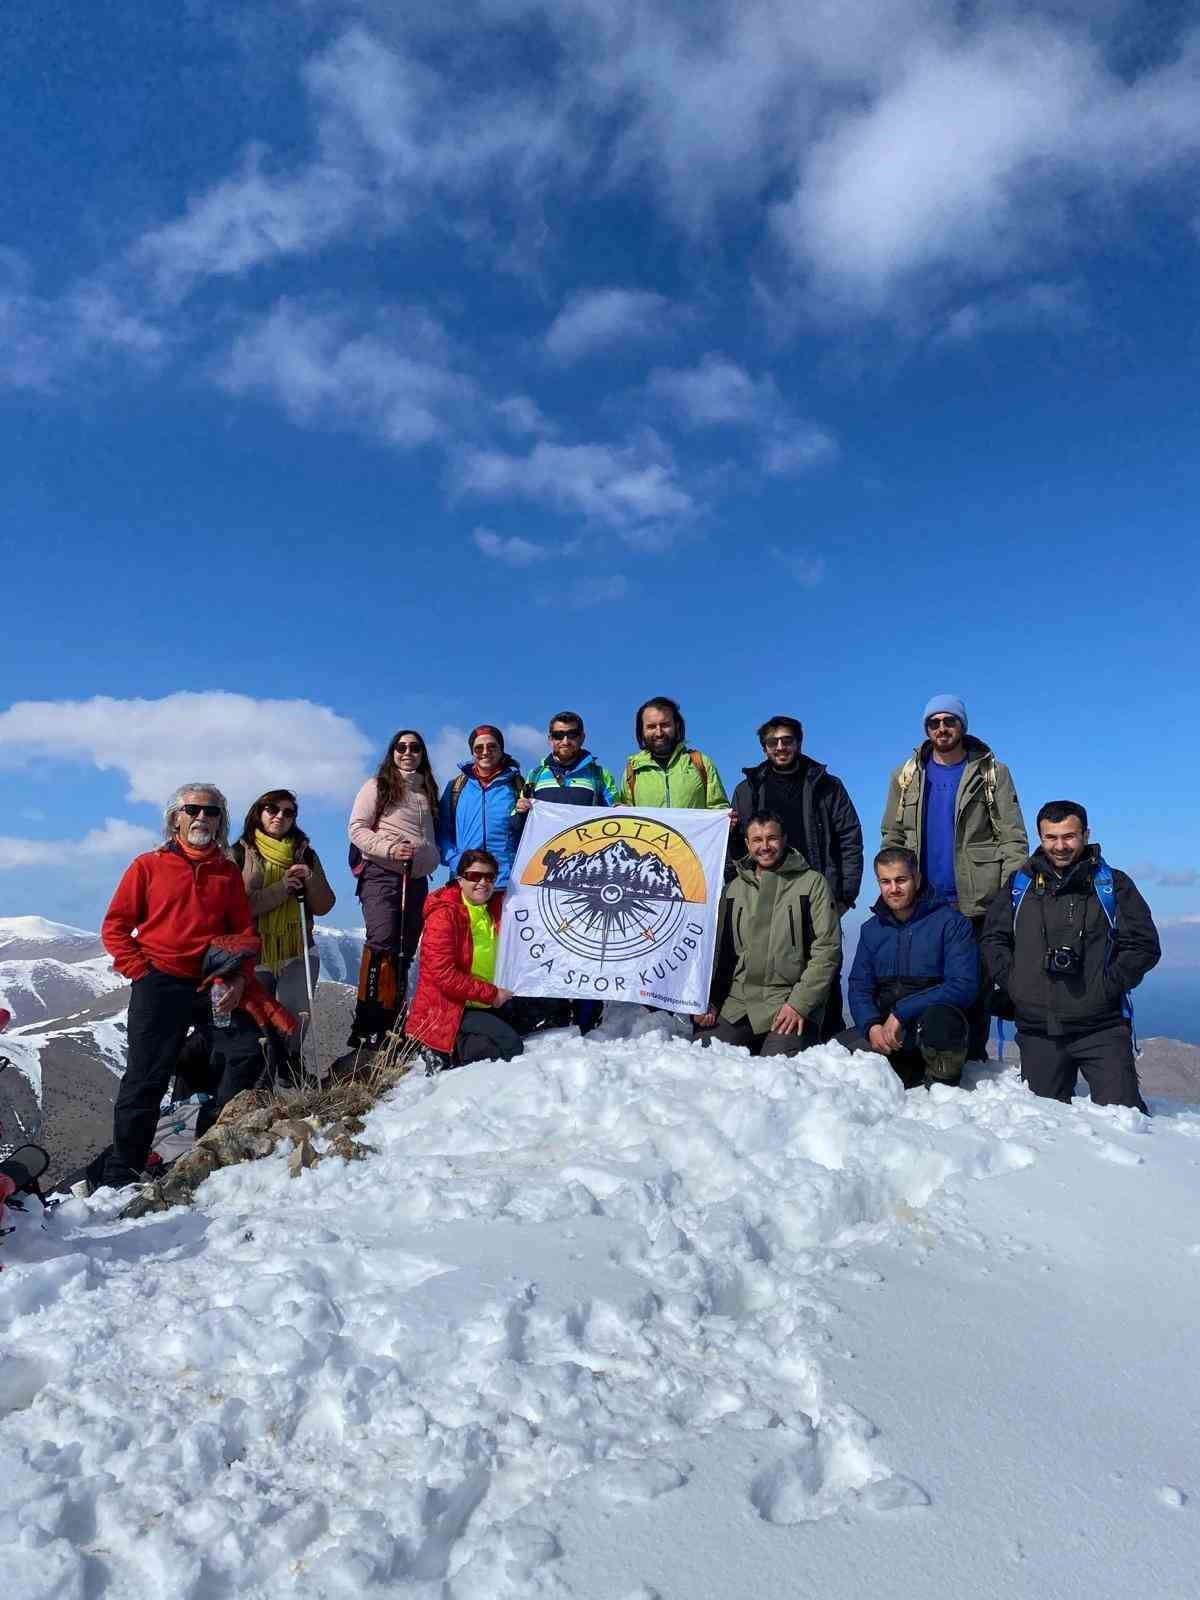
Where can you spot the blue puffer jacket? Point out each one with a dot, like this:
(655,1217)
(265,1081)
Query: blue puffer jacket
(479,818)
(937,944)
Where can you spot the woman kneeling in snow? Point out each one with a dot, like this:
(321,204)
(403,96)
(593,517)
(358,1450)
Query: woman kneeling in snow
(458,1013)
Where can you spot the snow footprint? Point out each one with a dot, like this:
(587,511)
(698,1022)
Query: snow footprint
(826,1468)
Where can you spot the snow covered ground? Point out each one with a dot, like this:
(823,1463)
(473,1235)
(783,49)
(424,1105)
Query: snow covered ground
(624,1320)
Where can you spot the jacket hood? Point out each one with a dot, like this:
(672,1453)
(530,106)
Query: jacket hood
(928,900)
(808,769)
(584,759)
(793,865)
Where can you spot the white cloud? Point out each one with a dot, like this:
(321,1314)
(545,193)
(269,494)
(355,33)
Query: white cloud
(798,448)
(1030,306)
(807,570)
(715,392)
(513,551)
(522,415)
(242,744)
(595,319)
(618,486)
(44,341)
(115,838)
(396,379)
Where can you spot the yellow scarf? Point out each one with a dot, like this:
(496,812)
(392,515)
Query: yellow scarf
(279,930)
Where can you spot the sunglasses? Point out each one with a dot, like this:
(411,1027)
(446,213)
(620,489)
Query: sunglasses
(942,722)
(202,811)
(558,734)
(783,739)
(409,747)
(279,811)
(485,749)
(478,877)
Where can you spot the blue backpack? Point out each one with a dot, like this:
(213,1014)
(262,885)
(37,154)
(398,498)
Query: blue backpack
(1102,882)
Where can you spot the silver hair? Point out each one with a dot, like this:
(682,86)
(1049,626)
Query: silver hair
(173,804)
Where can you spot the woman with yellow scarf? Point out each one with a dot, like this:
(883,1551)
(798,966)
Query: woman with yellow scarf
(277,861)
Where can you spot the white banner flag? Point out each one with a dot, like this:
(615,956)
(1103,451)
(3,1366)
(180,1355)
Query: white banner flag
(614,904)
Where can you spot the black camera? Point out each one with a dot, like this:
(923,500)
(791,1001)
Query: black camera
(1064,961)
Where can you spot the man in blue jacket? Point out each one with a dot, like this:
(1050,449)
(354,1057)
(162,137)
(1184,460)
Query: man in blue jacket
(915,973)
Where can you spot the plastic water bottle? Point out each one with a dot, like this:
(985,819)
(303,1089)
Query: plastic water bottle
(221,1019)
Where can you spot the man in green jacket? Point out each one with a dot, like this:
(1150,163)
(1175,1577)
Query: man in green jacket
(664,771)
(954,805)
(779,946)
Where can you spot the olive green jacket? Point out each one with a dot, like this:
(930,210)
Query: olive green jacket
(989,831)
(779,944)
(689,781)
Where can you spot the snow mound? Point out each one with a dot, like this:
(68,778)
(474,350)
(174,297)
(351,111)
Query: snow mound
(581,1266)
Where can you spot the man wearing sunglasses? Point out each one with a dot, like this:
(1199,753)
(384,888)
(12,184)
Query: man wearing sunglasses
(819,820)
(170,906)
(569,775)
(954,805)
(477,809)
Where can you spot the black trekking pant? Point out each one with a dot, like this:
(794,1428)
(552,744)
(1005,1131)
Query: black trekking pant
(979,1018)
(486,1036)
(161,1009)
(1050,1066)
(759,1044)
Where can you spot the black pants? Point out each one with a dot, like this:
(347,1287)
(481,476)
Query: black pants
(760,1044)
(834,1019)
(486,1036)
(1050,1066)
(908,1063)
(161,1009)
(979,1018)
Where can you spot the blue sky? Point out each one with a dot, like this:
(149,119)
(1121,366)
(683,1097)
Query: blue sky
(382,371)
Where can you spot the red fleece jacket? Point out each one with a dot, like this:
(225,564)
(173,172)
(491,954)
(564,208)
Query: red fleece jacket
(167,911)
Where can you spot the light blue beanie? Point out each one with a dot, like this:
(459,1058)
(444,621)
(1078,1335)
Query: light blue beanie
(948,703)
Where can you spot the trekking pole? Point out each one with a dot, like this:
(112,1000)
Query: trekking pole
(301,903)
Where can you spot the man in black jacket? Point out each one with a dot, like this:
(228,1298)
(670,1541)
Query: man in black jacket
(819,819)
(1049,945)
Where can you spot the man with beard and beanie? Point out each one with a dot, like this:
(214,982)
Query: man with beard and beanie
(778,946)
(665,770)
(477,806)
(914,974)
(954,805)
(1065,941)
(820,821)
(180,917)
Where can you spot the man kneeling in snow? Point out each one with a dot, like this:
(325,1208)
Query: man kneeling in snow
(915,973)
(780,944)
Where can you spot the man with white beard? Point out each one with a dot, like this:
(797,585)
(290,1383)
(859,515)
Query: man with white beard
(170,906)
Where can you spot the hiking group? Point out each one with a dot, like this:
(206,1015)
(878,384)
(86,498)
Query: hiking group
(968,924)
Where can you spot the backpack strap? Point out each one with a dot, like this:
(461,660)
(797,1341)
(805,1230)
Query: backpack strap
(1020,887)
(1102,882)
(905,779)
(456,789)
(629,781)
(698,763)
(987,776)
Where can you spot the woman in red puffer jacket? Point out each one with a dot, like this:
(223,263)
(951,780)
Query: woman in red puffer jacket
(458,1013)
